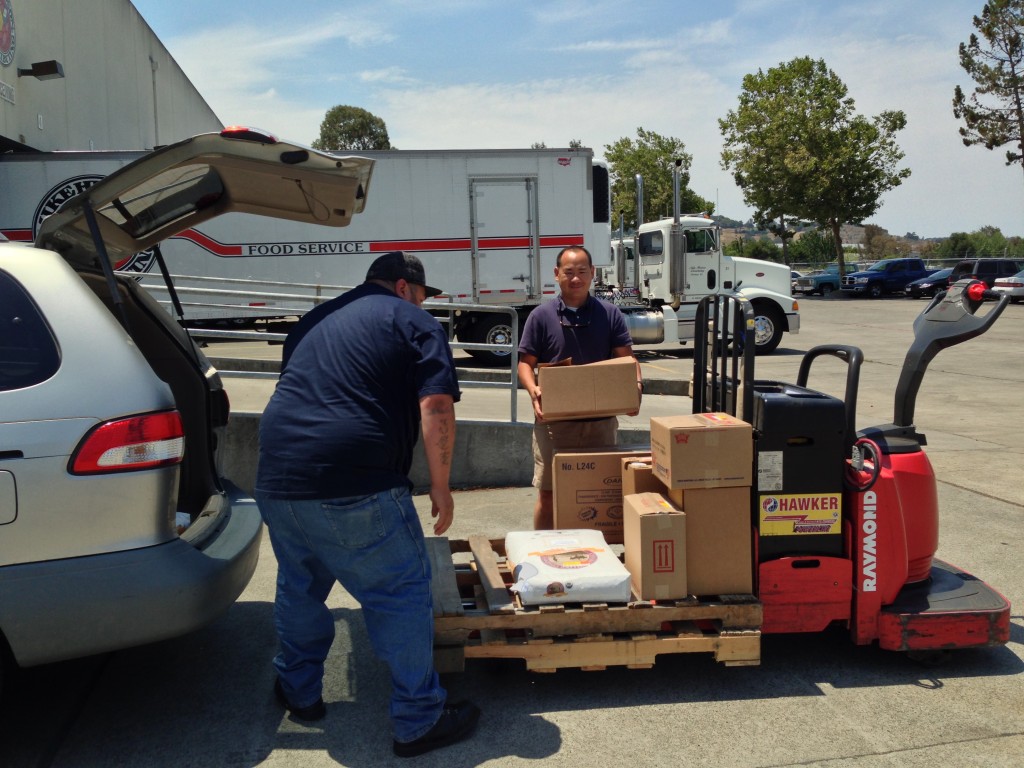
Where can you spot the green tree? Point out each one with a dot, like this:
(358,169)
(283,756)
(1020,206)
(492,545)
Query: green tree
(797,149)
(814,246)
(652,156)
(763,248)
(876,241)
(956,246)
(346,127)
(993,115)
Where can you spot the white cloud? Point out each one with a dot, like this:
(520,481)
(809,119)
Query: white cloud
(675,71)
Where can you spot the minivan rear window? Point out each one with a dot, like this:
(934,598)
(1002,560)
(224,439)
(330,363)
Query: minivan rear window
(28,351)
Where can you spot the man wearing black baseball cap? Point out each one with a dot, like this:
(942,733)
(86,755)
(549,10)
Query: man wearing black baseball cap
(397,271)
(360,375)
(399,265)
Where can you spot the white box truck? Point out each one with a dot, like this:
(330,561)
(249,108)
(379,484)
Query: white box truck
(487,224)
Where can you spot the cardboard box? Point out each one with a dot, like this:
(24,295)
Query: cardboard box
(638,477)
(607,388)
(587,490)
(719,532)
(655,551)
(702,450)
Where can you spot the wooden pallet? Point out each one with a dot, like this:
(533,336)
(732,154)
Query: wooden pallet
(476,616)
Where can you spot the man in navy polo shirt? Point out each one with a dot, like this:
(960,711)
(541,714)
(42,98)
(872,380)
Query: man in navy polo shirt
(579,326)
(360,375)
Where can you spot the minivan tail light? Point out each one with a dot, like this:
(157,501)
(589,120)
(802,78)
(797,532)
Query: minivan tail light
(138,442)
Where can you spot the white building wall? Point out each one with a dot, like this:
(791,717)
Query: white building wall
(106,98)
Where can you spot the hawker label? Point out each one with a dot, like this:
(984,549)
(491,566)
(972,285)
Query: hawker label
(800,513)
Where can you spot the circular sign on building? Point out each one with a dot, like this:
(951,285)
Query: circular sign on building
(54,200)
(6,33)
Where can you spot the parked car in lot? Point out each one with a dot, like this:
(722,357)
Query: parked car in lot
(928,286)
(116,527)
(1013,285)
(794,276)
(885,276)
(823,281)
(986,270)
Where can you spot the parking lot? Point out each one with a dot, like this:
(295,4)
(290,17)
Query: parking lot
(815,700)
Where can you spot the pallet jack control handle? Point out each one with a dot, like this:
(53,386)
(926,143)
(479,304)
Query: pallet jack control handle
(853,358)
(949,319)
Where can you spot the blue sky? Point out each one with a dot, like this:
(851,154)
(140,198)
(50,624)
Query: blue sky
(475,74)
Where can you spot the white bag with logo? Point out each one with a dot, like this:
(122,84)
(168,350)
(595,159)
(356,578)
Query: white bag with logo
(575,566)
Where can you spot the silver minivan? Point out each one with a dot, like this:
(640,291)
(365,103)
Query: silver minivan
(116,526)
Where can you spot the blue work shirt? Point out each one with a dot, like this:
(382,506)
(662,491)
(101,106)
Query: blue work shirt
(553,332)
(345,415)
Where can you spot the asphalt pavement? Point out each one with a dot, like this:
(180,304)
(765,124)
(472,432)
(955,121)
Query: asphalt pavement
(815,700)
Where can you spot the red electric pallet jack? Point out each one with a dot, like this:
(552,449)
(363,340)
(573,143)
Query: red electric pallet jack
(847,521)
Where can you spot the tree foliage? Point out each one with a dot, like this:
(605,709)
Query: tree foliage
(754,248)
(346,127)
(985,242)
(798,150)
(653,157)
(993,115)
(814,246)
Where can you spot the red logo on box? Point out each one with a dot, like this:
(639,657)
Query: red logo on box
(682,437)
(664,551)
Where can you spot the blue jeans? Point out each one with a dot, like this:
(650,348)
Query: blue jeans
(373,545)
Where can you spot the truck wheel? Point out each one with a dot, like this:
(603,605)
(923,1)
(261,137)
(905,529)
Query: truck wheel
(875,291)
(826,289)
(492,329)
(768,328)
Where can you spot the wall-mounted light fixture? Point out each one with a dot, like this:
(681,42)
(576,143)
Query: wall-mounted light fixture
(43,70)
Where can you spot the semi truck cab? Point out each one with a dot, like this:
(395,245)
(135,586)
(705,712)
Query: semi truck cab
(671,264)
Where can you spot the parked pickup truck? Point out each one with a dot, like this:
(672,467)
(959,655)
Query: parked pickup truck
(823,281)
(886,276)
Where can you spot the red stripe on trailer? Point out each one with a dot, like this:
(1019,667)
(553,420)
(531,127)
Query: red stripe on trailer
(209,244)
(17,235)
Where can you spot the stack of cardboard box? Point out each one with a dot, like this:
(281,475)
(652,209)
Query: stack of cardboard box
(682,509)
(703,465)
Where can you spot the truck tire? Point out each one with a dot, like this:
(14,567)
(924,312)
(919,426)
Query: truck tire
(875,290)
(769,325)
(491,329)
(826,289)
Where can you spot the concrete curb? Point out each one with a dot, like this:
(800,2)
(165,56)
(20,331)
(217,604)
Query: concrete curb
(652,386)
(488,454)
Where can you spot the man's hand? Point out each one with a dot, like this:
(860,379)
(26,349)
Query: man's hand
(443,508)
(538,409)
(437,415)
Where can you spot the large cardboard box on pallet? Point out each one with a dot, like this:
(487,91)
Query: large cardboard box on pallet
(718,541)
(719,530)
(607,388)
(702,450)
(655,547)
(587,490)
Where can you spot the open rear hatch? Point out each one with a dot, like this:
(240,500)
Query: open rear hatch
(166,192)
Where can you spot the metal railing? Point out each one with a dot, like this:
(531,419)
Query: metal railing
(258,308)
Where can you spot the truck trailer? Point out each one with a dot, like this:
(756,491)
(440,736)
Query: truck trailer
(488,225)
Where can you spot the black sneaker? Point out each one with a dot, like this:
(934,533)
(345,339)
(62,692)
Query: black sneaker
(315,711)
(456,723)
